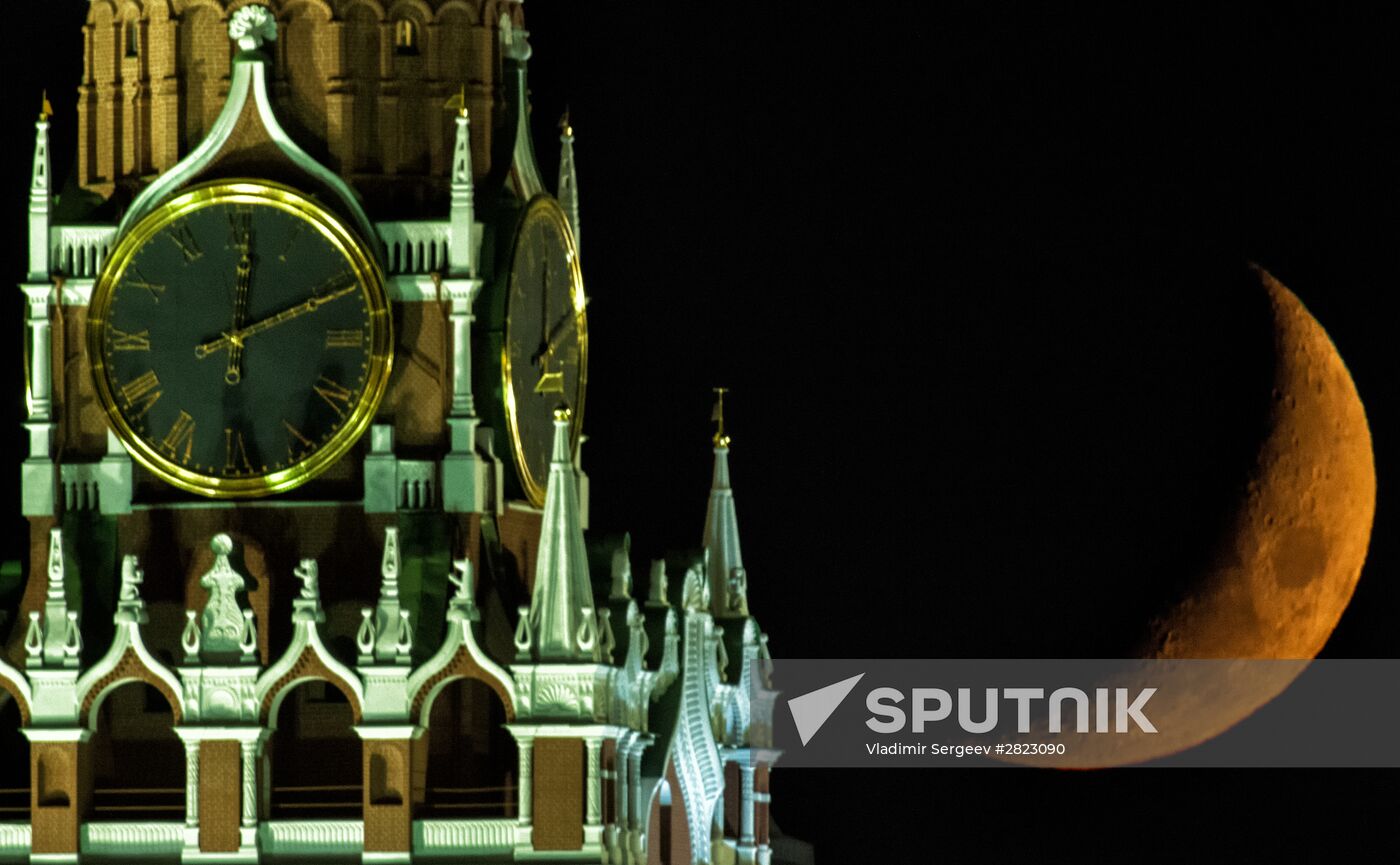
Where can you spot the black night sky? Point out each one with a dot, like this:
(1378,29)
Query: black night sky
(972,277)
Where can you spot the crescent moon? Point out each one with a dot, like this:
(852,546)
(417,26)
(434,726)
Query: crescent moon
(1286,567)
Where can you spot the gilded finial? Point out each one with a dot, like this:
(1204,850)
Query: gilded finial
(563,413)
(45,107)
(717,415)
(457,102)
(564,127)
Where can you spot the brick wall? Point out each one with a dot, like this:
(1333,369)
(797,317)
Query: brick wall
(154,82)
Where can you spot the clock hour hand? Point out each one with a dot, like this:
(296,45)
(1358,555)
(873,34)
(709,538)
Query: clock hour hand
(558,330)
(237,337)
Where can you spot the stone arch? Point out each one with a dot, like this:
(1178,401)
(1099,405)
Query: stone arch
(452,6)
(13,689)
(15,768)
(134,759)
(374,6)
(291,6)
(462,666)
(308,668)
(668,833)
(421,11)
(471,759)
(275,6)
(313,761)
(129,668)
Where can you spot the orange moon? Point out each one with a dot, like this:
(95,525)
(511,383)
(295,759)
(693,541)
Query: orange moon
(1285,571)
(1282,573)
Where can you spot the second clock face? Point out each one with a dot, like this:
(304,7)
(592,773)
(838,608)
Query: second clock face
(546,341)
(240,339)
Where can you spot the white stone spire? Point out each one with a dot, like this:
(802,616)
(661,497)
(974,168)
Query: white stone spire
(562,622)
(461,251)
(568,180)
(725,565)
(40,198)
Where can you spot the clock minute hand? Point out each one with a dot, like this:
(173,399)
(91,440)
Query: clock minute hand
(241,334)
(234,374)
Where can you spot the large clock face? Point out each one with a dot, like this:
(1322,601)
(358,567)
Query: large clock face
(546,340)
(240,338)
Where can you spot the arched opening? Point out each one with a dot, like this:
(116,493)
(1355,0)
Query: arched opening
(406,36)
(14,765)
(138,763)
(472,759)
(315,756)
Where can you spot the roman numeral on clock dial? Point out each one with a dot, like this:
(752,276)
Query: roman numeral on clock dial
(336,395)
(235,453)
(351,338)
(183,238)
(123,341)
(141,393)
(179,438)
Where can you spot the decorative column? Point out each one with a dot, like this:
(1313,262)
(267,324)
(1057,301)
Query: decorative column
(746,804)
(250,783)
(191,784)
(464,472)
(525,744)
(636,820)
(594,782)
(463,405)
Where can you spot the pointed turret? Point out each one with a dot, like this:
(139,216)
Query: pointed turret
(53,639)
(40,198)
(568,179)
(725,565)
(462,248)
(562,621)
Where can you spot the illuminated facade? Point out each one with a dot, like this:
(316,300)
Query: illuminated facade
(408,651)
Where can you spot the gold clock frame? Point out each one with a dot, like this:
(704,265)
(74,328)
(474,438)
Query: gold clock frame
(380,358)
(543,203)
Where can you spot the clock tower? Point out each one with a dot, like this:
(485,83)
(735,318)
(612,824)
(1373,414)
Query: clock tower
(306,364)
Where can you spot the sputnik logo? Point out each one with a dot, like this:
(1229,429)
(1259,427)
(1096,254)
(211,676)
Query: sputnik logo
(811,710)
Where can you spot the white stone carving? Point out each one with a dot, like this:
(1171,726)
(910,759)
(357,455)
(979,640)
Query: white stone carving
(222,621)
(657,595)
(251,26)
(308,573)
(80,250)
(132,577)
(14,839)
(465,837)
(319,837)
(132,839)
(190,638)
(415,247)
